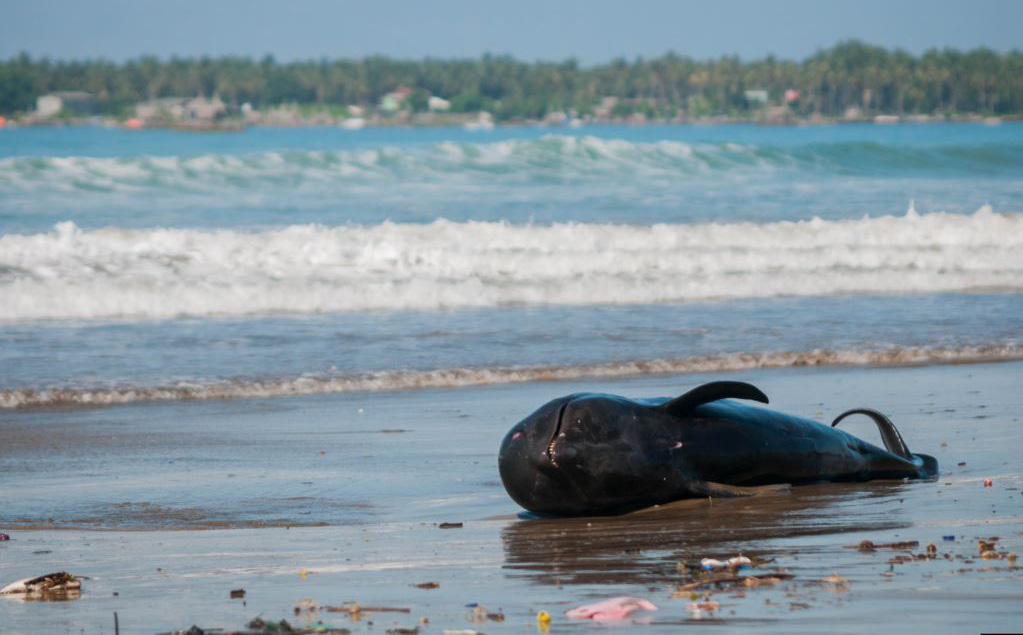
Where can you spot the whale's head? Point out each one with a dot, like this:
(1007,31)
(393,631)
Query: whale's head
(592,454)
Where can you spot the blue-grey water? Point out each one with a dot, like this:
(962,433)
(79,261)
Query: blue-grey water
(159,264)
(154,268)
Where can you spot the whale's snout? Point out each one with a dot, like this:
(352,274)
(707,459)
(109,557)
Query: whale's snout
(529,460)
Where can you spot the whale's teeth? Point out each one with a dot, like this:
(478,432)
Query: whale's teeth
(550,452)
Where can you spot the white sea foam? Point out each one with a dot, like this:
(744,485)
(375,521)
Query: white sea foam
(71,273)
(395,380)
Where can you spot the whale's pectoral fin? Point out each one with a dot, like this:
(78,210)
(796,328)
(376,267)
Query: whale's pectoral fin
(889,433)
(712,392)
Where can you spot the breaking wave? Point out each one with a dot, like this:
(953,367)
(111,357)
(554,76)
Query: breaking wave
(549,158)
(71,273)
(397,380)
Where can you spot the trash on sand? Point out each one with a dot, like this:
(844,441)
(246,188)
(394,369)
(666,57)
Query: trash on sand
(450,525)
(426,585)
(867,545)
(616,608)
(733,580)
(195,630)
(355,608)
(52,586)
(988,482)
(706,605)
(259,623)
(477,614)
(708,564)
(237,593)
(987,545)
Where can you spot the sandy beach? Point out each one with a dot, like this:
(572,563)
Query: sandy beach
(164,509)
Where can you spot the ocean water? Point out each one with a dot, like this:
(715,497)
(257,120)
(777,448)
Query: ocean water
(161,265)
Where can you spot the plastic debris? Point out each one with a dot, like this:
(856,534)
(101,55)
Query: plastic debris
(477,614)
(52,586)
(707,605)
(709,564)
(543,619)
(616,608)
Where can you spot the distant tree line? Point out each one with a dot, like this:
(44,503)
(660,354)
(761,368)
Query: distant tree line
(851,74)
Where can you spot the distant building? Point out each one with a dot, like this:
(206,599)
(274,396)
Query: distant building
(71,101)
(206,109)
(393,100)
(603,110)
(165,108)
(756,96)
(438,104)
(181,109)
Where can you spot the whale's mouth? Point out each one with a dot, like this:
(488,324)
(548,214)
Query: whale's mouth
(554,436)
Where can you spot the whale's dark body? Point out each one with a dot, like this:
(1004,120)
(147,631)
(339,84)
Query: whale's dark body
(588,454)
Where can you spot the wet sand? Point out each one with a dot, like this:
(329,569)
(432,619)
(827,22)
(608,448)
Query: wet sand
(166,508)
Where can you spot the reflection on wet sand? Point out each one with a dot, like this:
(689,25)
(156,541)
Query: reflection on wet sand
(294,511)
(645,547)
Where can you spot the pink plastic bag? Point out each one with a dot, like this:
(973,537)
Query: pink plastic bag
(612,609)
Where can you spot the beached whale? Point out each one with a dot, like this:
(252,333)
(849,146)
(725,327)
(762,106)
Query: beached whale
(590,454)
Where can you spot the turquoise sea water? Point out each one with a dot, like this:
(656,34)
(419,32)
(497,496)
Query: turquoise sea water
(142,265)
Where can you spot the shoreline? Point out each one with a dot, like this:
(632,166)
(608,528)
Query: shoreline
(400,381)
(166,579)
(469,122)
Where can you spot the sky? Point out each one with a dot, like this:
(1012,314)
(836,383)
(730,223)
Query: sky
(591,31)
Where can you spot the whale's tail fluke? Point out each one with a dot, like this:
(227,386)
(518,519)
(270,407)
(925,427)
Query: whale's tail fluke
(889,433)
(893,441)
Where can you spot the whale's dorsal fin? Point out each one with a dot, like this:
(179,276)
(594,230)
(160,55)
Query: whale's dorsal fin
(712,392)
(889,434)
